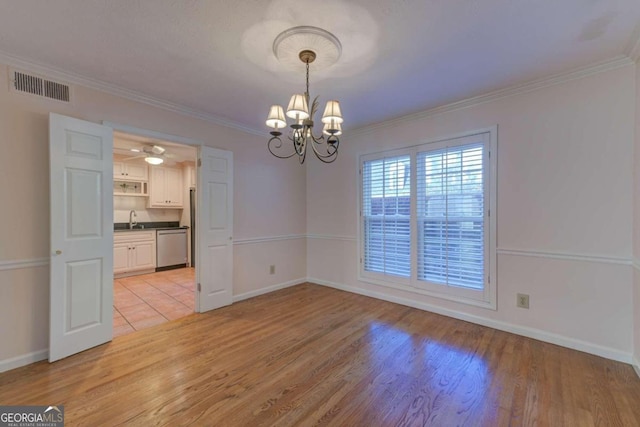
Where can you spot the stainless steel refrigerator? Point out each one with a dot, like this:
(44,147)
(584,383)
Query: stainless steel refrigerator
(192,215)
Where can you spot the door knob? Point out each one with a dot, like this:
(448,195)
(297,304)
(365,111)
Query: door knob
(58,252)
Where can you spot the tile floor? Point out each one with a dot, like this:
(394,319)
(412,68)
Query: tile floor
(150,299)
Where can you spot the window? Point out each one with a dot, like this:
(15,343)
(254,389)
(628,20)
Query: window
(387,216)
(425,218)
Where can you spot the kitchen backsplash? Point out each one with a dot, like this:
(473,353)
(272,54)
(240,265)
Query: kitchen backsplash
(122,205)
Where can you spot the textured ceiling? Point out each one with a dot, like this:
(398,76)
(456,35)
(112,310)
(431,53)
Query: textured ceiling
(399,56)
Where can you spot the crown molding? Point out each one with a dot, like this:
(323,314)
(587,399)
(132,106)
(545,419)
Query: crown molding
(612,64)
(632,55)
(132,95)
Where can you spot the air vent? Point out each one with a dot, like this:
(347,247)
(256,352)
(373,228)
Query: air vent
(39,86)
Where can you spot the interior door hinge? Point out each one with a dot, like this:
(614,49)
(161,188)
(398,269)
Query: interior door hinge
(199,162)
(489,279)
(489,212)
(199,287)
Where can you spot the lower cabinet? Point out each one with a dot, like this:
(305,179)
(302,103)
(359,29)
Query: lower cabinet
(134,251)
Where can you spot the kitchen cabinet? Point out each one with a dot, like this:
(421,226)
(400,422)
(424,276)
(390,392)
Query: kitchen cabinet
(130,171)
(130,188)
(165,187)
(134,251)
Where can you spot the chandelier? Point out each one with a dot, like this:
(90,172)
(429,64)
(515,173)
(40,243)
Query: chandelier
(307,43)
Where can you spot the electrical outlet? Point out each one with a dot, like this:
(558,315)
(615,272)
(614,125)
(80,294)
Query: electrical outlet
(522,301)
(272,269)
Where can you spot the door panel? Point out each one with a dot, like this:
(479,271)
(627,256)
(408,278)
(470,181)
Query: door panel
(84,296)
(218,212)
(215,225)
(84,203)
(81,287)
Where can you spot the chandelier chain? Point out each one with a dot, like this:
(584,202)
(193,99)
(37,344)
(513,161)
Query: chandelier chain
(307,93)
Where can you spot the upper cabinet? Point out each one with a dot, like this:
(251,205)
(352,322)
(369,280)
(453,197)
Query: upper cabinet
(130,171)
(130,177)
(165,187)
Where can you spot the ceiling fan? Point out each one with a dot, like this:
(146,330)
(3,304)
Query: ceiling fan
(152,154)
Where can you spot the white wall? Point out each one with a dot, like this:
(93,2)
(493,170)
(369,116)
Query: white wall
(269,205)
(565,173)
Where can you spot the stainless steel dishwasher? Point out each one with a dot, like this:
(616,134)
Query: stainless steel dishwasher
(172,248)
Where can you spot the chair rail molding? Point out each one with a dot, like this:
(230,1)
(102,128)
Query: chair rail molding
(23,263)
(569,256)
(332,237)
(264,239)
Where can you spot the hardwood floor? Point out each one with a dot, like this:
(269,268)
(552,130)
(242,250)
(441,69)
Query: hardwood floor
(310,355)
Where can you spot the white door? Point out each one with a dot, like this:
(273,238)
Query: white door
(81,284)
(214,232)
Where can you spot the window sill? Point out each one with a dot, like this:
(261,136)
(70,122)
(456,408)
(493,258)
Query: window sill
(486,304)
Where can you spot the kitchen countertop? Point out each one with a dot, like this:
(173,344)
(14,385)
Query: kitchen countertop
(142,226)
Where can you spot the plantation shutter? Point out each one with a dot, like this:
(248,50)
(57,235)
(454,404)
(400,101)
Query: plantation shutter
(386,213)
(450,216)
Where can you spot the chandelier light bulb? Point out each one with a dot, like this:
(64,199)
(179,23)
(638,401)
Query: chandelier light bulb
(298,108)
(332,112)
(276,118)
(332,128)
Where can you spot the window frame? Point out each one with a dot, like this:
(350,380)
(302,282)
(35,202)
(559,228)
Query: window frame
(487,297)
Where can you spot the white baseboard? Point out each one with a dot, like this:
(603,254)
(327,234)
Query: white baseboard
(636,366)
(25,359)
(268,289)
(598,350)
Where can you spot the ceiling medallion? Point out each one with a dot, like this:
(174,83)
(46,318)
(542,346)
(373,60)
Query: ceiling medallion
(306,45)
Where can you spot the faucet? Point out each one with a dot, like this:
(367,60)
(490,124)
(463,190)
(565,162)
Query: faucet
(132,215)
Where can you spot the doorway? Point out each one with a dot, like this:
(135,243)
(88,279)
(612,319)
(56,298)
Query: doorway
(86,251)
(154,228)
